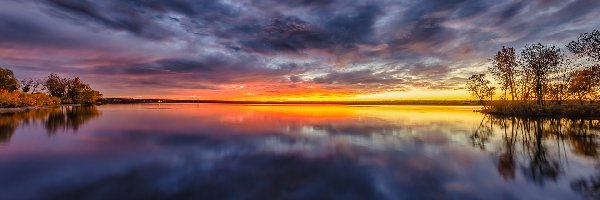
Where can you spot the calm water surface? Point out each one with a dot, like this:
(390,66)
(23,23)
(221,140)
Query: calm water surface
(214,151)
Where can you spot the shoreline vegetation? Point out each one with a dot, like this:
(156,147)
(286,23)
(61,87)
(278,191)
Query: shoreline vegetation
(570,110)
(542,81)
(37,93)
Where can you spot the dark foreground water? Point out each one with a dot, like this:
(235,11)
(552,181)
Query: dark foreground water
(213,151)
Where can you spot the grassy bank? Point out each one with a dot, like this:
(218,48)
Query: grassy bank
(567,110)
(23,109)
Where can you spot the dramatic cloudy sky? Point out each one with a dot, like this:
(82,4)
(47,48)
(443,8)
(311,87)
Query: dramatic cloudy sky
(278,49)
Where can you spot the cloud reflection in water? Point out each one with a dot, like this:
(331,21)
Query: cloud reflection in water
(194,151)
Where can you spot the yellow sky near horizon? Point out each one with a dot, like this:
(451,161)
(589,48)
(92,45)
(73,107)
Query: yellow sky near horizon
(414,94)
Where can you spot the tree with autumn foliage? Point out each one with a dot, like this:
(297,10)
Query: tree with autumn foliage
(585,83)
(52,91)
(71,90)
(7,80)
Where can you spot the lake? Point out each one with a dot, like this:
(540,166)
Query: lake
(220,151)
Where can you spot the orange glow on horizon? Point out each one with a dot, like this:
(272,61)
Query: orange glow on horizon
(305,92)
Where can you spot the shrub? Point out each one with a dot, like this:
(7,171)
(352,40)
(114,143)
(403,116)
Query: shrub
(17,99)
(10,99)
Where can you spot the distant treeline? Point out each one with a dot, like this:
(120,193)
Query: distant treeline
(53,90)
(541,75)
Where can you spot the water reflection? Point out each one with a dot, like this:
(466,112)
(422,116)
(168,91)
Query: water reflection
(200,151)
(54,119)
(589,187)
(540,144)
(69,117)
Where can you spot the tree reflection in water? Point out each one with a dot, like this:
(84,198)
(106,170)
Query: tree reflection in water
(70,118)
(54,119)
(10,121)
(537,146)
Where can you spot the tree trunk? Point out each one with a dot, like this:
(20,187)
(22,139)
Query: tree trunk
(538,88)
(512,93)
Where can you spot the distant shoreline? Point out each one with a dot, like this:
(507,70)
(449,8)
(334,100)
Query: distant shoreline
(397,102)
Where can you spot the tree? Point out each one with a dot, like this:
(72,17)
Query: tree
(56,86)
(540,62)
(595,93)
(32,85)
(504,70)
(524,82)
(558,86)
(585,84)
(88,96)
(480,87)
(71,90)
(8,80)
(81,93)
(557,92)
(74,89)
(587,44)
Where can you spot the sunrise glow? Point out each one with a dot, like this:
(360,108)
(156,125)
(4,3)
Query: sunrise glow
(299,50)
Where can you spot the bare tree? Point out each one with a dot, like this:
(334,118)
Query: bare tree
(524,82)
(541,61)
(504,70)
(558,87)
(32,85)
(480,88)
(587,44)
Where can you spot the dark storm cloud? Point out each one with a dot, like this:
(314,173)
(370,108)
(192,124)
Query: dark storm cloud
(19,29)
(88,10)
(22,32)
(224,69)
(288,34)
(212,41)
(511,11)
(139,17)
(345,30)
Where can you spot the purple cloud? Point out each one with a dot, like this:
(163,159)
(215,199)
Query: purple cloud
(152,46)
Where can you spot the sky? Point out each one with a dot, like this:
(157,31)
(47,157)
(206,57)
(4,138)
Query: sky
(278,49)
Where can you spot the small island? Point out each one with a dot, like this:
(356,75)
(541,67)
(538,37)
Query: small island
(32,93)
(542,81)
